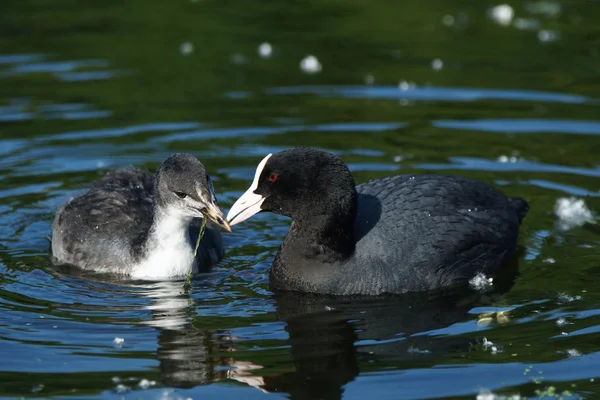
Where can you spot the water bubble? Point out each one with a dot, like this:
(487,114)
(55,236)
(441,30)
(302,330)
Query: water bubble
(481,282)
(310,65)
(502,14)
(448,20)
(118,342)
(265,50)
(415,350)
(186,48)
(404,86)
(566,298)
(526,24)
(437,64)
(488,344)
(146,384)
(572,212)
(573,353)
(238,58)
(369,80)
(37,388)
(121,389)
(549,8)
(547,36)
(550,260)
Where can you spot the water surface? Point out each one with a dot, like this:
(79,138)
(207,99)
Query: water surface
(404,87)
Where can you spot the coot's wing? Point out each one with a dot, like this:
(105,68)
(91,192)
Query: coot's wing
(429,231)
(102,226)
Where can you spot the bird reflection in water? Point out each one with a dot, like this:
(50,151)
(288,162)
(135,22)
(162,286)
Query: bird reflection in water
(331,340)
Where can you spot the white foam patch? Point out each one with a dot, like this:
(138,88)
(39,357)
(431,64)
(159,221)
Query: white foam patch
(481,282)
(146,384)
(265,50)
(572,212)
(573,353)
(502,14)
(493,348)
(310,65)
(485,394)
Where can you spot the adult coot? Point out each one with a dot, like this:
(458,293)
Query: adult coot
(393,235)
(134,224)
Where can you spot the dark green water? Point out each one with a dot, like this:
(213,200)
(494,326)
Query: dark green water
(405,87)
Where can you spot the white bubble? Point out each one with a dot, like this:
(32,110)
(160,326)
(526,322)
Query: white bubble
(526,24)
(118,342)
(448,20)
(547,36)
(121,389)
(486,395)
(573,353)
(145,384)
(566,298)
(506,159)
(550,260)
(572,212)
(186,48)
(404,86)
(502,14)
(369,79)
(310,65)
(549,8)
(238,58)
(265,50)
(481,282)
(437,64)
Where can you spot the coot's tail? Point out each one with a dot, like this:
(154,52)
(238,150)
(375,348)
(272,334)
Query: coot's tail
(520,205)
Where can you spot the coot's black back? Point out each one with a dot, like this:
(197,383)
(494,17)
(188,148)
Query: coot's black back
(424,232)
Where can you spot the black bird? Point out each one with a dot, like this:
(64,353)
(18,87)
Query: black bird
(134,224)
(398,234)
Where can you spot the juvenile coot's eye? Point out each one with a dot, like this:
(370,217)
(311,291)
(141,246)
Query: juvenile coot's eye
(273,177)
(181,195)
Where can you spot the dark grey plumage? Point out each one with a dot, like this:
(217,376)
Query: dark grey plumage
(115,226)
(393,235)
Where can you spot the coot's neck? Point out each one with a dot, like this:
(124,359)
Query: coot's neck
(324,237)
(167,250)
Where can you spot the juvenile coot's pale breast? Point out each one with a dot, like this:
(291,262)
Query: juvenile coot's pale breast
(393,235)
(144,226)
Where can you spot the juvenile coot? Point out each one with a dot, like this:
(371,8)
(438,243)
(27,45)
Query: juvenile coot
(132,223)
(393,235)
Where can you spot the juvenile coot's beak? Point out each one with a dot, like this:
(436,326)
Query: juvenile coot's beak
(249,203)
(213,212)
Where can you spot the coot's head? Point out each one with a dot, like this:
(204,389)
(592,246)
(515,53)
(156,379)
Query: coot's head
(183,185)
(300,183)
